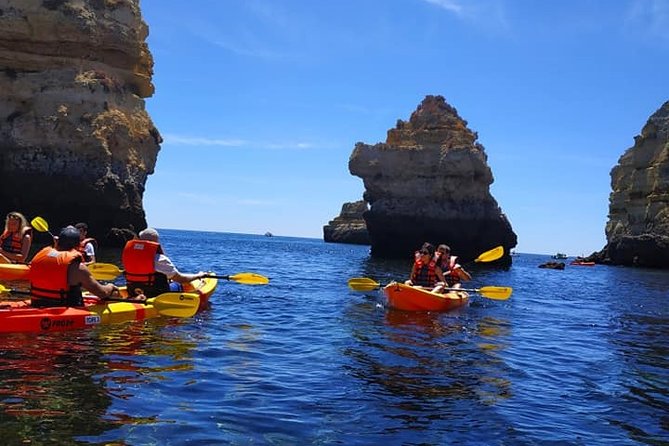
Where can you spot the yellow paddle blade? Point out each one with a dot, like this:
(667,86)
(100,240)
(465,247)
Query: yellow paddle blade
(40,224)
(491,255)
(4,289)
(496,292)
(104,271)
(363,284)
(250,279)
(176,304)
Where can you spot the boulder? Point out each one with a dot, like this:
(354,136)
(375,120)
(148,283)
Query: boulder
(637,231)
(430,181)
(76,142)
(349,226)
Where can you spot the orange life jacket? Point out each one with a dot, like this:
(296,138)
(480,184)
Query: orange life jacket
(49,284)
(139,257)
(12,241)
(448,268)
(424,274)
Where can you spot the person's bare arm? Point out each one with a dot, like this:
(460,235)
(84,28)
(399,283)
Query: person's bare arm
(464,275)
(185,278)
(80,274)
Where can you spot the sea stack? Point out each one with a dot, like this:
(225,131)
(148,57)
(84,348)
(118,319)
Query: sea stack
(76,142)
(430,181)
(637,231)
(349,226)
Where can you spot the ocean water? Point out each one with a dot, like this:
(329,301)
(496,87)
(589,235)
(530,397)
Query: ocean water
(574,357)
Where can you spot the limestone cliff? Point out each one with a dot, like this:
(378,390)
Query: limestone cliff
(637,232)
(430,181)
(349,226)
(76,143)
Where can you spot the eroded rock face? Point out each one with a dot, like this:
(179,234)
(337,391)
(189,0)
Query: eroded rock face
(76,143)
(637,232)
(349,226)
(430,181)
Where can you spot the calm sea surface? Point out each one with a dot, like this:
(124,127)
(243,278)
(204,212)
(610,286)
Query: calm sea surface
(579,356)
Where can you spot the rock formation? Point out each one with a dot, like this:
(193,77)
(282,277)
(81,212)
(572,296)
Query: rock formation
(430,182)
(637,232)
(349,226)
(76,143)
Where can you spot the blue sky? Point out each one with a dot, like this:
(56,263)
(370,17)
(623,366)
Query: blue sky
(261,102)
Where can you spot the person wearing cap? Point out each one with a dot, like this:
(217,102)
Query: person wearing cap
(58,274)
(86,244)
(148,271)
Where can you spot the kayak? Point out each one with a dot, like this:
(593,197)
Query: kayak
(409,298)
(19,316)
(14,271)
(577,263)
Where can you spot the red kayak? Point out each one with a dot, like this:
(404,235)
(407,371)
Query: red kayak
(409,298)
(578,263)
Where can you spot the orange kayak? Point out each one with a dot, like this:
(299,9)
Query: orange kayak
(408,298)
(578,263)
(19,316)
(12,271)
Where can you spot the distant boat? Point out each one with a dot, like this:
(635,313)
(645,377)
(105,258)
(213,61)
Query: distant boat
(559,255)
(513,252)
(268,234)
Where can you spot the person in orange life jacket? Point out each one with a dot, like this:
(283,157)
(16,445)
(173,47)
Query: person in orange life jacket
(57,274)
(425,272)
(148,271)
(16,239)
(86,244)
(453,271)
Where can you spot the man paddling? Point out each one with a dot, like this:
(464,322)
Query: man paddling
(57,274)
(148,271)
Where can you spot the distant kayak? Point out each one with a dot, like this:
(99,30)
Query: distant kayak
(409,298)
(580,263)
(19,316)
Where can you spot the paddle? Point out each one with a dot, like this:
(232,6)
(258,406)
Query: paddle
(491,292)
(491,255)
(41,225)
(167,304)
(109,271)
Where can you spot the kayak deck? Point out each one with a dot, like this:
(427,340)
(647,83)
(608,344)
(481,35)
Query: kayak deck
(19,316)
(408,298)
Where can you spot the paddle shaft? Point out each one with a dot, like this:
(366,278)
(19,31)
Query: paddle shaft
(110,299)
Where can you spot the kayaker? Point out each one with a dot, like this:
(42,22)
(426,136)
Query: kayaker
(57,274)
(425,272)
(86,244)
(16,239)
(148,271)
(454,273)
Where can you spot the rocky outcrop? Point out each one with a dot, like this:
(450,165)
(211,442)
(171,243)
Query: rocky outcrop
(76,143)
(430,181)
(637,231)
(349,226)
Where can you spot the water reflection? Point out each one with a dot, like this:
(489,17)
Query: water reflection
(58,386)
(47,388)
(427,365)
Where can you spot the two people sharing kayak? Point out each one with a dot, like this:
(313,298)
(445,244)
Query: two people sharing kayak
(437,270)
